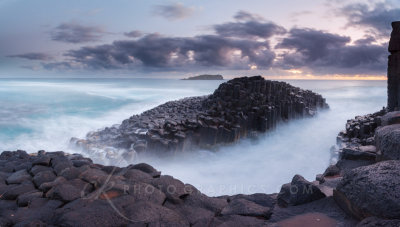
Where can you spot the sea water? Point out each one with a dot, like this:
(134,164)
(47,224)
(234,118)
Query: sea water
(38,114)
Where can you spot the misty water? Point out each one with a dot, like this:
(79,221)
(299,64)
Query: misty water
(38,114)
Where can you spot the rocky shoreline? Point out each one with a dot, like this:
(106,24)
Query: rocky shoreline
(239,108)
(59,189)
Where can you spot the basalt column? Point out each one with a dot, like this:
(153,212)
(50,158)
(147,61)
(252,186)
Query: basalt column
(394,68)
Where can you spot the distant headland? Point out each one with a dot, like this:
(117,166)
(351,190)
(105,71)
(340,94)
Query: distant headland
(205,77)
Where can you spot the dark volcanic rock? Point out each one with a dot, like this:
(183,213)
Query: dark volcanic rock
(246,208)
(372,190)
(391,118)
(394,68)
(237,109)
(299,191)
(388,142)
(377,222)
(19,177)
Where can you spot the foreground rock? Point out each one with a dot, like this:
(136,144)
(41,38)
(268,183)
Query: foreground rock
(239,108)
(69,190)
(371,191)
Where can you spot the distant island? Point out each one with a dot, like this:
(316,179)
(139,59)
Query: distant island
(205,77)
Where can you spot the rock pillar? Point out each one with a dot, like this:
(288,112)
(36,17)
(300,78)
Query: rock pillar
(394,68)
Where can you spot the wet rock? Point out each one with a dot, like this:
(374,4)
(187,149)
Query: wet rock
(371,191)
(299,191)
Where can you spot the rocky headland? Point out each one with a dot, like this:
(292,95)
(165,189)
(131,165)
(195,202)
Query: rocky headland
(361,189)
(205,77)
(239,108)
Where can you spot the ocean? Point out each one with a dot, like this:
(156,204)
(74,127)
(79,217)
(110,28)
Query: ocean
(43,114)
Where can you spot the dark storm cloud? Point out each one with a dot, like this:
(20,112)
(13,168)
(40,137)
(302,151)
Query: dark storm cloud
(32,56)
(76,33)
(155,51)
(247,16)
(377,18)
(326,52)
(133,34)
(173,11)
(248,26)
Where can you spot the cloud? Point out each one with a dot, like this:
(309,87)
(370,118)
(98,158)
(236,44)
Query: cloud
(175,11)
(76,33)
(156,52)
(240,45)
(247,16)
(33,56)
(133,34)
(325,52)
(248,26)
(376,18)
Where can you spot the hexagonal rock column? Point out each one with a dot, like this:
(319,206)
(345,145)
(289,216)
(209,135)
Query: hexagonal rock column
(394,68)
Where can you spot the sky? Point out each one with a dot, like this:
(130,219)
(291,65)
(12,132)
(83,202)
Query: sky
(293,39)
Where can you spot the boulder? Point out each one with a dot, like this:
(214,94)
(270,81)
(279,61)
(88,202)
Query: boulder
(372,190)
(299,191)
(374,221)
(146,193)
(359,153)
(388,142)
(11,192)
(91,214)
(174,189)
(146,168)
(265,200)
(43,177)
(26,198)
(246,208)
(19,177)
(39,168)
(153,215)
(391,118)
(42,160)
